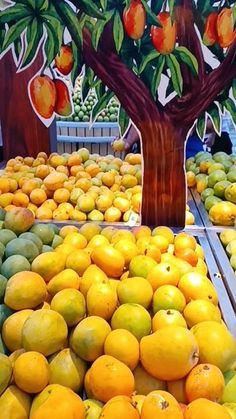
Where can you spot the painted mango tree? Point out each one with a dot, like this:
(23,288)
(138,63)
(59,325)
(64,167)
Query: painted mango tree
(127,48)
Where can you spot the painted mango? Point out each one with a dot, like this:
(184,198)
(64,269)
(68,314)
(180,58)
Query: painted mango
(225,27)
(43,95)
(63,105)
(164,38)
(64,60)
(210,33)
(134,19)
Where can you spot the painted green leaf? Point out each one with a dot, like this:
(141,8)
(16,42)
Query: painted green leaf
(89,7)
(171,8)
(2,36)
(42,5)
(12,14)
(78,63)
(101,104)
(151,16)
(33,36)
(103,4)
(231,108)
(176,75)
(183,54)
(157,74)
(85,88)
(98,29)
(118,31)
(201,126)
(215,115)
(204,6)
(90,76)
(70,20)
(15,31)
(234,88)
(123,121)
(147,59)
(51,46)
(100,89)
(156,6)
(30,3)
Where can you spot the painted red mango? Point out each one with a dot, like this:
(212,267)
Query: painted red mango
(225,27)
(43,95)
(164,38)
(134,19)
(63,105)
(210,36)
(64,60)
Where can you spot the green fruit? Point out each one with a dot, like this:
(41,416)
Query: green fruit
(210,201)
(93,409)
(5,312)
(231,175)
(220,187)
(231,248)
(227,165)
(2,214)
(229,394)
(77,108)
(230,193)
(3,348)
(227,236)
(220,156)
(22,247)
(215,177)
(202,157)
(57,240)
(6,372)
(81,114)
(189,162)
(86,118)
(54,227)
(113,118)
(233,261)
(207,192)
(44,231)
(6,236)
(76,119)
(83,109)
(231,409)
(3,284)
(141,265)
(34,238)
(106,119)
(46,248)
(100,119)
(2,250)
(132,317)
(14,264)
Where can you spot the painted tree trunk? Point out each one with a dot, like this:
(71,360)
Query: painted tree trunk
(23,132)
(164,187)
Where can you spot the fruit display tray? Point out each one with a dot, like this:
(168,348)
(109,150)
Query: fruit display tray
(223,263)
(96,137)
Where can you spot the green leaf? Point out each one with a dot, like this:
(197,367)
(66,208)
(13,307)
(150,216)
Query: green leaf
(147,59)
(98,29)
(204,6)
(2,36)
(18,48)
(183,54)
(51,46)
(215,115)
(15,31)
(101,104)
(33,36)
(103,4)
(171,7)
(78,63)
(30,3)
(234,88)
(42,5)
(123,121)
(176,75)
(118,31)
(201,126)
(90,76)
(151,16)
(157,74)
(12,14)
(156,6)
(71,21)
(100,89)
(231,108)
(89,7)
(85,88)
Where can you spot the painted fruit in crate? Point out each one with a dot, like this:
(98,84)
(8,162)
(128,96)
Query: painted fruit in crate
(108,353)
(214,177)
(78,186)
(228,239)
(83,108)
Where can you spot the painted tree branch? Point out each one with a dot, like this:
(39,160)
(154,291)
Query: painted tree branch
(213,84)
(187,37)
